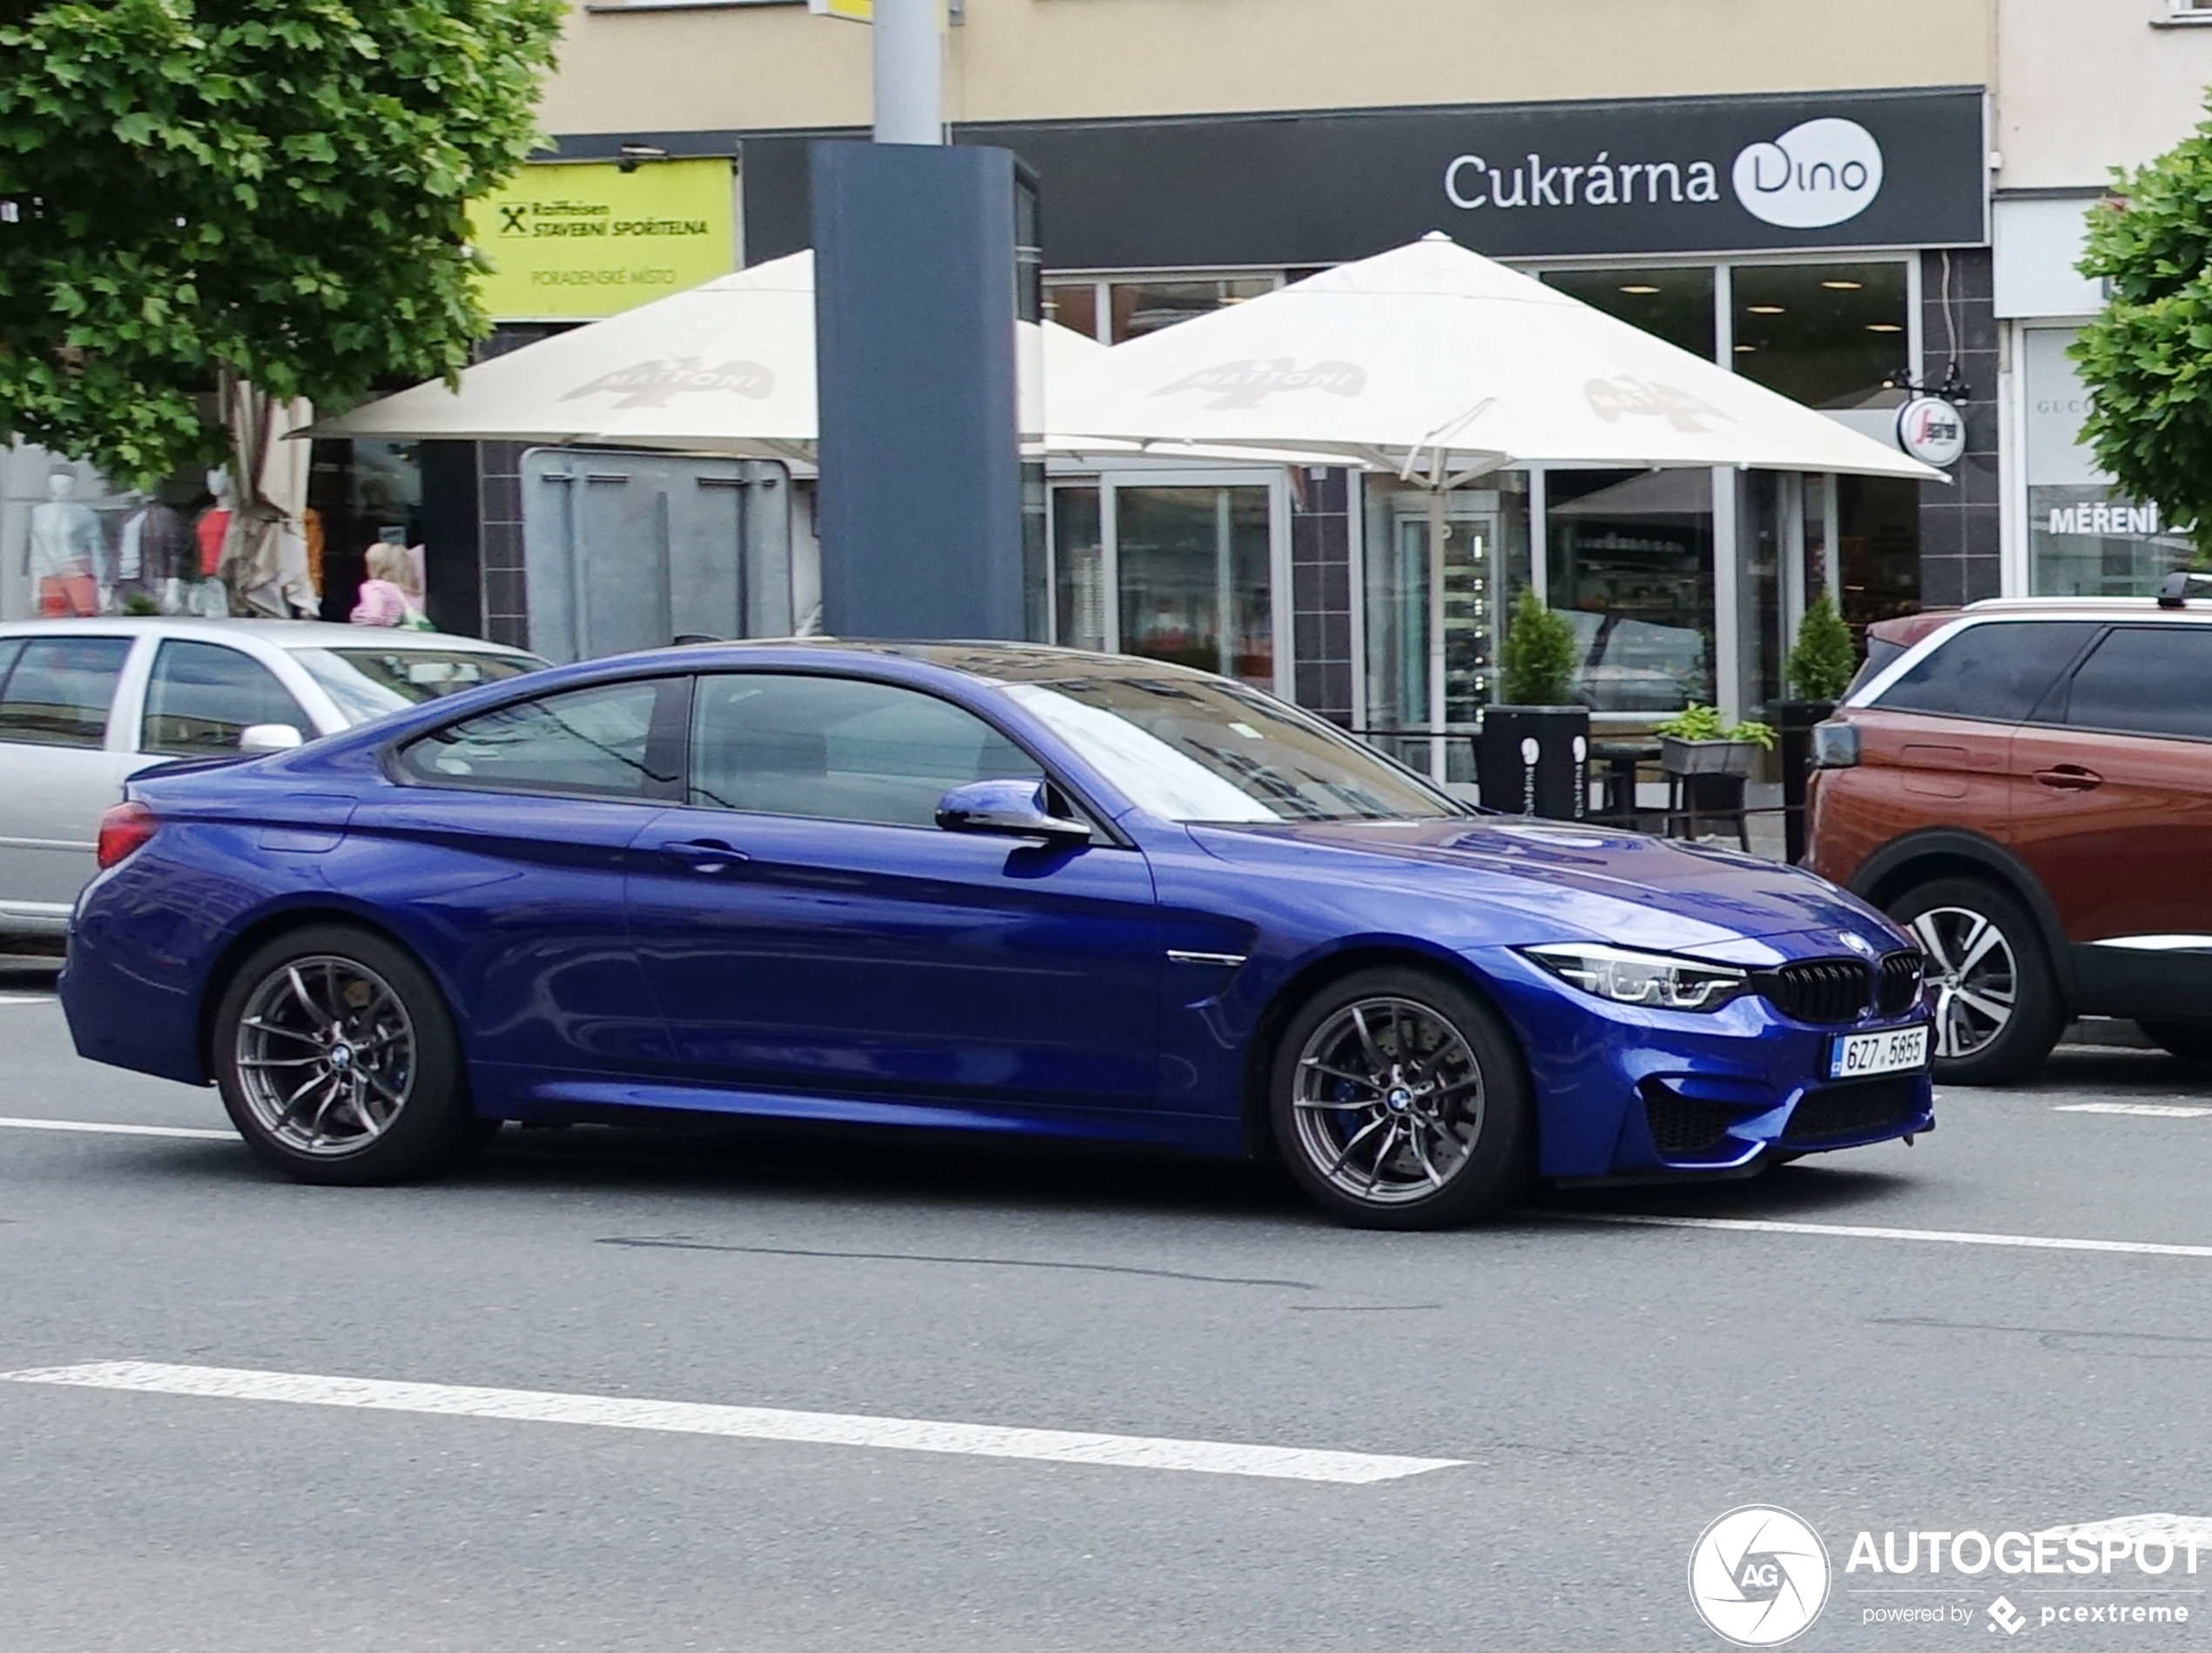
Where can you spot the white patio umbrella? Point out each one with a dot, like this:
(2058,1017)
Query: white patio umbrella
(1436,363)
(726,367)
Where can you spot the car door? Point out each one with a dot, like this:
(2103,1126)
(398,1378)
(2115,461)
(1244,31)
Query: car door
(201,696)
(808,927)
(2113,811)
(503,855)
(63,761)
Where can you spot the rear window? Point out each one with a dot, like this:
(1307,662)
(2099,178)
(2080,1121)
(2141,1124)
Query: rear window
(2000,672)
(2147,681)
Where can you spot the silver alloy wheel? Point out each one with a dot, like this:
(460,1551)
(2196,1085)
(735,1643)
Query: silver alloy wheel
(324,1056)
(1974,975)
(1388,1101)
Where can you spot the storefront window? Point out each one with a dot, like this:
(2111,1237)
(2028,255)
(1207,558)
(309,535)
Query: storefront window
(1140,307)
(1631,566)
(1079,569)
(1830,335)
(1674,305)
(1194,565)
(1074,305)
(2085,539)
(1878,548)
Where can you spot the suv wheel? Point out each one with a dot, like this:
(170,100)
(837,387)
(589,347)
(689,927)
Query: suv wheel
(1997,1009)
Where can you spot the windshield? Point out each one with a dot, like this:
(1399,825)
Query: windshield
(369,682)
(1190,749)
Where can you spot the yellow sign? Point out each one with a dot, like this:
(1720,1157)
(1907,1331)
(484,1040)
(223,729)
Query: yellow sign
(574,241)
(851,10)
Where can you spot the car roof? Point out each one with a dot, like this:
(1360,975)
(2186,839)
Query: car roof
(1906,629)
(284,634)
(986,660)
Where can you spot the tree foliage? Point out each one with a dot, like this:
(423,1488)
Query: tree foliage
(1538,661)
(1823,663)
(268,189)
(2147,360)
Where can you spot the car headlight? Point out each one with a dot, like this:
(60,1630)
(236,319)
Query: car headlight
(1657,979)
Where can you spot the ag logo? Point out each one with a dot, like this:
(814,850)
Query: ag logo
(650,384)
(1814,175)
(1245,384)
(1759,1576)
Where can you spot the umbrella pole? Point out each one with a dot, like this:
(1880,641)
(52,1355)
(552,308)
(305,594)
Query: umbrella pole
(1440,531)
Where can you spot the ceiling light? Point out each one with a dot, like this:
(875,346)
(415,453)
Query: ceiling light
(1745,349)
(1641,289)
(1843,287)
(1883,327)
(1764,309)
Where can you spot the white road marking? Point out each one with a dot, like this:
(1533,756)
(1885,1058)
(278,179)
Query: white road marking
(751,1423)
(2147,1109)
(2175,1530)
(185,1132)
(1945,1237)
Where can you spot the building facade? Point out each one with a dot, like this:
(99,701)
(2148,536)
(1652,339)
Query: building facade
(2081,90)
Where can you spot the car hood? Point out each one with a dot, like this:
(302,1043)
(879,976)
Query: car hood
(1579,882)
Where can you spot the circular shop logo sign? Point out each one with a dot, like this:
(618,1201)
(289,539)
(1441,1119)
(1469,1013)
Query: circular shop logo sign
(1814,175)
(1933,430)
(1759,1576)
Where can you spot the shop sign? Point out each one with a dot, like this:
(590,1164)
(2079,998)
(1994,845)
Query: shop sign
(574,241)
(1866,169)
(1932,431)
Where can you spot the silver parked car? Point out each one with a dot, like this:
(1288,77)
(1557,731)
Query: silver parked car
(86,702)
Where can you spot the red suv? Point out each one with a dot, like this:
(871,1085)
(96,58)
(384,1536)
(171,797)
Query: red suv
(2028,786)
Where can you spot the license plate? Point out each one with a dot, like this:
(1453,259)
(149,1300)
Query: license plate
(1859,1056)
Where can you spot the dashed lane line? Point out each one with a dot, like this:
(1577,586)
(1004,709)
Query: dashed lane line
(1841,1231)
(97,1129)
(2145,1110)
(751,1423)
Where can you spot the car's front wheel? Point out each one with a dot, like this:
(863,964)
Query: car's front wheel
(1399,1101)
(338,1061)
(1997,1007)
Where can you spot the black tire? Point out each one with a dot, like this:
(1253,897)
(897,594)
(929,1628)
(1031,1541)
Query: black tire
(1441,1041)
(2190,1040)
(308,994)
(1974,1047)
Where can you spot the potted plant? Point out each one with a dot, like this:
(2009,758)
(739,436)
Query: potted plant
(1712,761)
(1536,742)
(1819,669)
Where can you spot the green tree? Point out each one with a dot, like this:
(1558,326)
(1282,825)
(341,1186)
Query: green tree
(1538,661)
(211,190)
(1821,665)
(2146,359)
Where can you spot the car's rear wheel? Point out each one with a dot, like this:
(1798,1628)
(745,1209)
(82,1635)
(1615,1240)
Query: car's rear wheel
(1997,1008)
(338,1060)
(1399,1101)
(2191,1041)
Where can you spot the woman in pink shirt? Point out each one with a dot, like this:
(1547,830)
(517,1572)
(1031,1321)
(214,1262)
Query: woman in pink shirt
(392,595)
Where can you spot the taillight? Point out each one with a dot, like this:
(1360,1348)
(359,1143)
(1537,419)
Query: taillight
(124,830)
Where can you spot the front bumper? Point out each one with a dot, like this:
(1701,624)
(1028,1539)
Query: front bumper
(1624,1091)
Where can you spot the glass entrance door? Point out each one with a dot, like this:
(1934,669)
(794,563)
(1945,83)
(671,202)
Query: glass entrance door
(1432,629)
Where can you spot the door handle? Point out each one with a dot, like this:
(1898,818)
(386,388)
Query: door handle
(704,855)
(2070,777)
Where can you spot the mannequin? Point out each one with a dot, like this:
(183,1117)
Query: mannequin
(67,547)
(205,594)
(155,552)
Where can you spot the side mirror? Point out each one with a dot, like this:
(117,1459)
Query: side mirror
(1835,745)
(259,738)
(1009,809)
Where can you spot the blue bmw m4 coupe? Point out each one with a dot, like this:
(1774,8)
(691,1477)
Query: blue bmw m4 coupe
(976,887)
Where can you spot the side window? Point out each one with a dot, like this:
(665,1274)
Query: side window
(612,740)
(2000,672)
(203,696)
(838,749)
(59,690)
(2147,681)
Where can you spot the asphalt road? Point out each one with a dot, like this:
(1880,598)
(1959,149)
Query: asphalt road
(1604,1390)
